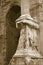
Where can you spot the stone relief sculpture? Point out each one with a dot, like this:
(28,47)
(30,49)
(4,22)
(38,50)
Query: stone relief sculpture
(27,51)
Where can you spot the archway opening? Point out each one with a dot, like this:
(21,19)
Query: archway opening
(12,33)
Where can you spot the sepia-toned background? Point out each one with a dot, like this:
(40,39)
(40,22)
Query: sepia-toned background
(10,10)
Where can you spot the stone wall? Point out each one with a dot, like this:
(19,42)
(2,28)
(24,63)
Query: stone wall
(7,33)
(3,11)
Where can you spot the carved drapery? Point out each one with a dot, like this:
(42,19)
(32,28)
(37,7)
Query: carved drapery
(27,52)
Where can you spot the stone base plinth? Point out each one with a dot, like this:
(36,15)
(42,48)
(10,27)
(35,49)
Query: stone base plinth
(21,57)
(25,61)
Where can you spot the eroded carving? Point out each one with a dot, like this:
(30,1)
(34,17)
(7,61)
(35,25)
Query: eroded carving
(27,52)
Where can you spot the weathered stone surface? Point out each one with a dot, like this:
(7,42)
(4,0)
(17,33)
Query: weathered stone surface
(27,46)
(22,61)
(3,11)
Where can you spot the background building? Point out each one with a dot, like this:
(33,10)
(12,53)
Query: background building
(10,10)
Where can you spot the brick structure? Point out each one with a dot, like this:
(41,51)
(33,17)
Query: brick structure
(8,30)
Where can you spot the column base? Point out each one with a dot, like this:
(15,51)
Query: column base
(26,57)
(28,52)
(25,61)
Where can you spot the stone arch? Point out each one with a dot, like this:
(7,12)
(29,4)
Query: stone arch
(12,33)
